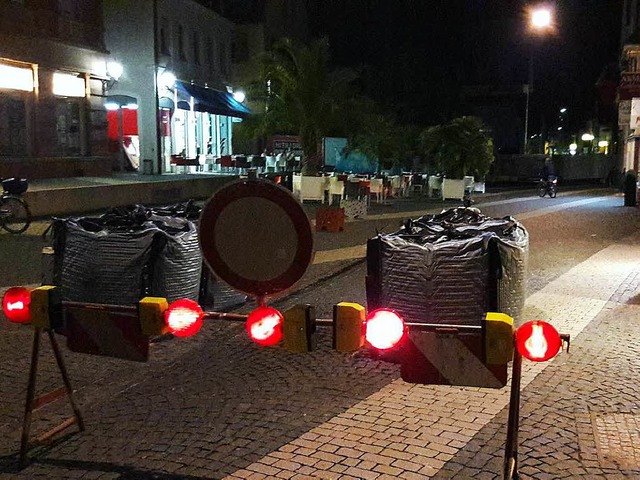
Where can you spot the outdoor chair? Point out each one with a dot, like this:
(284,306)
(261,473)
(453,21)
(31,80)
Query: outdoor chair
(376,187)
(336,189)
(468,183)
(416,184)
(434,185)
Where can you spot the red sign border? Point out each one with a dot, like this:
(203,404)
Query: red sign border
(281,197)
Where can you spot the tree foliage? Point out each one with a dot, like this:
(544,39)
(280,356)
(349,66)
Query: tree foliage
(380,136)
(460,147)
(299,94)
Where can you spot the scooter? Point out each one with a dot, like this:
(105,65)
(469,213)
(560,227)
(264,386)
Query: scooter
(549,186)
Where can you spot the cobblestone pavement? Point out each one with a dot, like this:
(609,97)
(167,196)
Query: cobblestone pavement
(577,411)
(216,406)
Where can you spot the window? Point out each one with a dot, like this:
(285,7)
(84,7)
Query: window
(68,85)
(223,58)
(67,114)
(164,38)
(181,52)
(209,53)
(196,48)
(13,125)
(16,78)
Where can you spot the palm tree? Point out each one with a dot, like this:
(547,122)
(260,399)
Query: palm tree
(302,96)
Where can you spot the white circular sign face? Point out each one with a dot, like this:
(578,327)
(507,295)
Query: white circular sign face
(256,237)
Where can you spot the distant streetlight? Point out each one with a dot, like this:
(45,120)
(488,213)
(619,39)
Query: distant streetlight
(541,18)
(540,21)
(573,148)
(563,110)
(587,137)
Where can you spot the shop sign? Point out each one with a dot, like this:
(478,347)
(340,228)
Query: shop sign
(629,86)
(285,143)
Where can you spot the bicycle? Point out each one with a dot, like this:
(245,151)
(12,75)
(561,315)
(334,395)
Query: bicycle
(549,186)
(15,216)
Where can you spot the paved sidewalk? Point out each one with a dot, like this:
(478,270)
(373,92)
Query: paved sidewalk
(572,426)
(218,407)
(416,431)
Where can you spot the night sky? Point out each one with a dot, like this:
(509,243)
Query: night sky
(416,55)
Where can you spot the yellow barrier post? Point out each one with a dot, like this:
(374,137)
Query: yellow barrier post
(300,328)
(151,315)
(498,338)
(348,326)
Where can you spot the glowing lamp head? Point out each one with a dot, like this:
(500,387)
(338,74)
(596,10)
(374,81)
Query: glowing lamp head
(538,341)
(184,317)
(15,304)
(541,18)
(384,328)
(239,96)
(264,326)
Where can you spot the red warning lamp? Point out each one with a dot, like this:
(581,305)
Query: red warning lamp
(538,341)
(264,326)
(15,304)
(384,328)
(184,317)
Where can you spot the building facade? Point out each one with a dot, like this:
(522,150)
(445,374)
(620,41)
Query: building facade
(629,88)
(176,59)
(53,67)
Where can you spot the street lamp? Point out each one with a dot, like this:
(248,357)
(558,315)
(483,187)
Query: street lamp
(540,21)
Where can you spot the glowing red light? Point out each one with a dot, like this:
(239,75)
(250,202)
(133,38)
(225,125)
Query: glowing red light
(15,304)
(538,341)
(264,326)
(184,317)
(384,328)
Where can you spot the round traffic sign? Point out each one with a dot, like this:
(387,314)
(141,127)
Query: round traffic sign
(256,237)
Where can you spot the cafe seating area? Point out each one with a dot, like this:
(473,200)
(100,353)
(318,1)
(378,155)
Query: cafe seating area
(335,188)
(234,164)
(332,188)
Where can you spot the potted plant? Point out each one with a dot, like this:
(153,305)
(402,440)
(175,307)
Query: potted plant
(461,148)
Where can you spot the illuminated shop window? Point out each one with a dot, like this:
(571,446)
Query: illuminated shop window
(16,78)
(68,85)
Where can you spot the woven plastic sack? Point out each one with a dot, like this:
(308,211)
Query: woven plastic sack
(450,268)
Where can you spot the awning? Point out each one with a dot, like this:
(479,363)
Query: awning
(211,101)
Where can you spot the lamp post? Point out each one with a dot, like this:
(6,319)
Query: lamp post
(540,21)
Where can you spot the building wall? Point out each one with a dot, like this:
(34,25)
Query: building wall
(214,35)
(630,20)
(192,41)
(56,36)
(129,38)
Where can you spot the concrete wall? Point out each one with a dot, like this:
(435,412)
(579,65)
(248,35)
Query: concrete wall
(56,167)
(70,200)
(512,168)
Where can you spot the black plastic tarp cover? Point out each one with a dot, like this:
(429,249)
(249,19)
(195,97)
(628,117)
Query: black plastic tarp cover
(450,268)
(126,254)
